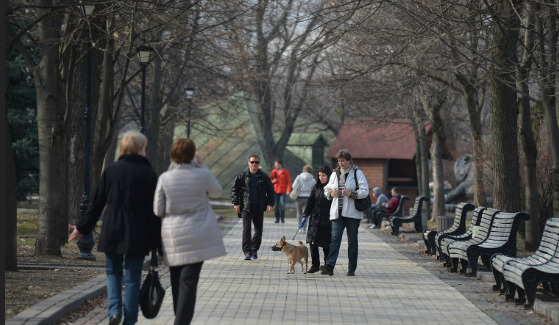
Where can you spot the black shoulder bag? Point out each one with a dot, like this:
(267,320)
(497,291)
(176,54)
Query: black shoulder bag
(361,204)
(151,293)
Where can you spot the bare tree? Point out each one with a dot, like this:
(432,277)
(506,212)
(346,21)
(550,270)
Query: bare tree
(277,47)
(528,142)
(433,100)
(548,34)
(51,108)
(505,31)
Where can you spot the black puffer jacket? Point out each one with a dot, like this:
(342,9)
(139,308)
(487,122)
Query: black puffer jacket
(240,191)
(317,213)
(125,192)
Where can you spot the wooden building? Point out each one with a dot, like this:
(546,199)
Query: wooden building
(384,151)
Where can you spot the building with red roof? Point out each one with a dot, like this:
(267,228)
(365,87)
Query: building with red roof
(384,150)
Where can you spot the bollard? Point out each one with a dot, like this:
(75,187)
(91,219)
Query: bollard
(444,222)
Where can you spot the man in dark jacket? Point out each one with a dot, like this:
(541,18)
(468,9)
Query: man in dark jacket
(252,193)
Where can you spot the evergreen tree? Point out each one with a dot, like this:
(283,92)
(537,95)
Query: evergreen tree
(22,118)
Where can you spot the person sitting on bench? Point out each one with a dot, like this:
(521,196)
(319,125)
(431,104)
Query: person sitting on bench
(390,207)
(379,205)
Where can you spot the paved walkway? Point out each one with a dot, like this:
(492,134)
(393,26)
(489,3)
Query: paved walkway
(388,288)
(391,286)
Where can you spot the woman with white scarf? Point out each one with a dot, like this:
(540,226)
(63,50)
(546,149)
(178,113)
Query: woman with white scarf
(341,189)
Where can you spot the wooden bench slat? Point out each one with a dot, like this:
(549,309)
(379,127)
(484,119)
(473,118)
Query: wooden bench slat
(415,217)
(497,234)
(443,240)
(522,275)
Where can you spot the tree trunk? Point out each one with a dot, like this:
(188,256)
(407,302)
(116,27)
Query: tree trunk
(433,110)
(423,148)
(104,115)
(263,130)
(422,160)
(437,160)
(506,192)
(166,134)
(155,116)
(474,117)
(548,67)
(9,188)
(76,94)
(50,114)
(8,181)
(529,147)
(111,152)
(418,166)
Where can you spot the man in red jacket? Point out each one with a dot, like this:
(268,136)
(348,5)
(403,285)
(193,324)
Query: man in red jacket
(282,185)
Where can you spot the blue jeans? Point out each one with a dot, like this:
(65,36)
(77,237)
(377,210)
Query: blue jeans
(132,281)
(279,206)
(338,227)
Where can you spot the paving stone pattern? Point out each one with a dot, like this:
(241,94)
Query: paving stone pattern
(394,284)
(388,288)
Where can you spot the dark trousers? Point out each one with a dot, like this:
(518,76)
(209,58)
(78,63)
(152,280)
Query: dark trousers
(184,284)
(377,217)
(315,256)
(369,214)
(254,216)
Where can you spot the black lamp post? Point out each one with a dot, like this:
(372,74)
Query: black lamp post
(189,94)
(144,56)
(86,243)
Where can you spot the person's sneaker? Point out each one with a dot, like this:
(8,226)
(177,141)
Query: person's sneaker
(114,320)
(277,221)
(326,270)
(371,227)
(254,256)
(248,256)
(350,273)
(313,269)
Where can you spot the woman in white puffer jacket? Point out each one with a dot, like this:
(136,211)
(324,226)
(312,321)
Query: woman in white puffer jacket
(304,182)
(189,231)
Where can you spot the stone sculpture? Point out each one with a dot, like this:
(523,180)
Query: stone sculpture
(464,174)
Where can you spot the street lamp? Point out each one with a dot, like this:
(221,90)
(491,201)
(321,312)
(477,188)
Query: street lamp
(144,56)
(189,94)
(86,243)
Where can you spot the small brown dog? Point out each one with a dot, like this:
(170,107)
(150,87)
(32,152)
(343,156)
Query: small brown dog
(294,254)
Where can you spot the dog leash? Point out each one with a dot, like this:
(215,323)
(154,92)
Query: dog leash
(300,227)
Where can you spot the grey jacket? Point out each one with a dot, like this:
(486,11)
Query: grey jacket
(190,232)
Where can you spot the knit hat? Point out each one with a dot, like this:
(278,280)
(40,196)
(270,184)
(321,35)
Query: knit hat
(377,191)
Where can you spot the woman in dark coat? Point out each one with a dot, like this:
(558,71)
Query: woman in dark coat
(130,229)
(317,213)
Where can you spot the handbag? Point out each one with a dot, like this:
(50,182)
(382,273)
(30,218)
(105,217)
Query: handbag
(294,194)
(151,293)
(364,203)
